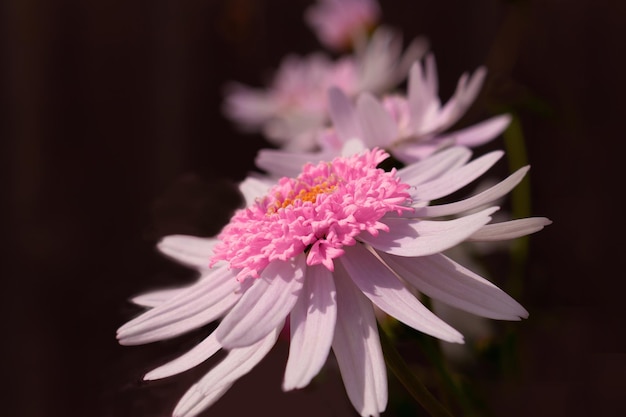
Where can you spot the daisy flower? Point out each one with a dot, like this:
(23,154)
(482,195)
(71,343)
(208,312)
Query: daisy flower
(339,24)
(294,106)
(319,251)
(410,127)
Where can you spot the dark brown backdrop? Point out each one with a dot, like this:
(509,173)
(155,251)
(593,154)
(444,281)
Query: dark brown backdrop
(113,137)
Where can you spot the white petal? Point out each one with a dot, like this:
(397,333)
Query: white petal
(414,237)
(287,164)
(312,324)
(266,304)
(378,127)
(343,115)
(192,251)
(464,96)
(479,133)
(457,179)
(154,298)
(423,85)
(196,306)
(213,385)
(385,290)
(511,229)
(435,166)
(198,354)
(357,348)
(443,279)
(486,197)
(254,187)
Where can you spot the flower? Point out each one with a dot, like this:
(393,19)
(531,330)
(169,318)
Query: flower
(320,250)
(409,127)
(292,109)
(340,23)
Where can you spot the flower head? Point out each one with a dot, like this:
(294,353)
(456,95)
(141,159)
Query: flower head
(339,23)
(292,109)
(320,250)
(416,125)
(410,127)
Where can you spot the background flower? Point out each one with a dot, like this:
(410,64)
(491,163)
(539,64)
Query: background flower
(293,107)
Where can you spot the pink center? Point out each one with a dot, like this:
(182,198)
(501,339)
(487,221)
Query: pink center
(319,212)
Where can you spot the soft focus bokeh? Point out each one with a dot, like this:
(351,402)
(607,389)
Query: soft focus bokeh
(114,136)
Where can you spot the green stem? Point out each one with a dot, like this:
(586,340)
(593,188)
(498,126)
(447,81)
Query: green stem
(413,385)
(520,201)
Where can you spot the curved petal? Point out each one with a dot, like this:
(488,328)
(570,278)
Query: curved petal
(287,164)
(457,179)
(196,306)
(312,324)
(356,345)
(254,187)
(486,197)
(192,251)
(385,290)
(414,237)
(378,127)
(213,385)
(443,279)
(466,92)
(435,166)
(423,86)
(343,115)
(266,304)
(198,354)
(510,230)
(155,298)
(479,133)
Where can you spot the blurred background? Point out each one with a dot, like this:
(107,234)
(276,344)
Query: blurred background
(113,136)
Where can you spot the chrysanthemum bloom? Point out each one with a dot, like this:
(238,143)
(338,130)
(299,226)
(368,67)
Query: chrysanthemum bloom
(320,250)
(409,127)
(294,106)
(339,24)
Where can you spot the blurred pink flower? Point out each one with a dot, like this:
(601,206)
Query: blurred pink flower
(320,250)
(410,128)
(340,24)
(294,106)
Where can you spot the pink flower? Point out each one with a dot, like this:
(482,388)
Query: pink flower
(339,23)
(294,106)
(410,128)
(320,250)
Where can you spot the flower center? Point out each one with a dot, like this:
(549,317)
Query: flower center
(316,214)
(308,192)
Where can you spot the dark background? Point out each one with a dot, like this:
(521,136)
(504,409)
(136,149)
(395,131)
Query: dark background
(113,137)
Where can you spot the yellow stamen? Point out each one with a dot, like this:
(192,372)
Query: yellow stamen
(307,194)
